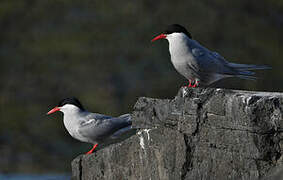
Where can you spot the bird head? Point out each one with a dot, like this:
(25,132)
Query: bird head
(67,105)
(173,31)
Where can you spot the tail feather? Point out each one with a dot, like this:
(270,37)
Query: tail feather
(247,77)
(243,70)
(246,73)
(243,67)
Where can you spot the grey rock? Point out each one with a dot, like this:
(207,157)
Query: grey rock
(200,134)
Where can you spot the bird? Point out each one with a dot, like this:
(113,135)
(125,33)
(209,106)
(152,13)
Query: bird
(198,64)
(98,129)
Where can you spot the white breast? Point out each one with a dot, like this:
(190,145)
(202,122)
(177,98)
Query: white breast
(180,53)
(72,124)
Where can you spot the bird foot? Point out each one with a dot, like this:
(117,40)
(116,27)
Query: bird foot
(190,84)
(92,149)
(193,83)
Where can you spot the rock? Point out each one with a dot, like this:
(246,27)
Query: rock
(200,134)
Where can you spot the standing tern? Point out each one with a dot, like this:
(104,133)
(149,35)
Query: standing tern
(93,128)
(198,64)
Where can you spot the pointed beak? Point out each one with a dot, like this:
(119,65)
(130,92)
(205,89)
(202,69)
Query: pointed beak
(53,110)
(161,36)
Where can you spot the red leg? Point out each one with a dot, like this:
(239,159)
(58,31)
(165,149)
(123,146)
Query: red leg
(190,83)
(195,84)
(91,151)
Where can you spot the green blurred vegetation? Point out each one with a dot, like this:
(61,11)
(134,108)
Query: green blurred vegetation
(100,52)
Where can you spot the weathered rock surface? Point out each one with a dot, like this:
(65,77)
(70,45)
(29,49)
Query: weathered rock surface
(200,134)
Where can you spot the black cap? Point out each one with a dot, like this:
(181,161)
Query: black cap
(71,100)
(173,28)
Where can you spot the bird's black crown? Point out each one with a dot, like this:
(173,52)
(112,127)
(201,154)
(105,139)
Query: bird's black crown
(173,28)
(71,100)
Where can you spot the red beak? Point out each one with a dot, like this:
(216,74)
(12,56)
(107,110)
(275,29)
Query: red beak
(53,110)
(161,36)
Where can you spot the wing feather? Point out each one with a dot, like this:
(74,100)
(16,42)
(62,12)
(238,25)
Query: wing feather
(104,126)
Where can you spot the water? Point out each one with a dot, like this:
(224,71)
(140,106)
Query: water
(35,177)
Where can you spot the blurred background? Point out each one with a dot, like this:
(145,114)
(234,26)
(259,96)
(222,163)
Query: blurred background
(101,53)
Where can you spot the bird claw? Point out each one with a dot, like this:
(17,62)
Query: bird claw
(195,83)
(190,83)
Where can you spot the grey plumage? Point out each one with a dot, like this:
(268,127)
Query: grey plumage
(105,130)
(197,63)
(93,127)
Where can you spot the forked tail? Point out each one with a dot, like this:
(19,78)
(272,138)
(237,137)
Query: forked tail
(244,67)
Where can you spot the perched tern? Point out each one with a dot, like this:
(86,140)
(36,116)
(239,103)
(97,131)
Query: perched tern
(198,64)
(94,128)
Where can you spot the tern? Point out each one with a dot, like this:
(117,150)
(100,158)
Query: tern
(198,64)
(94,128)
